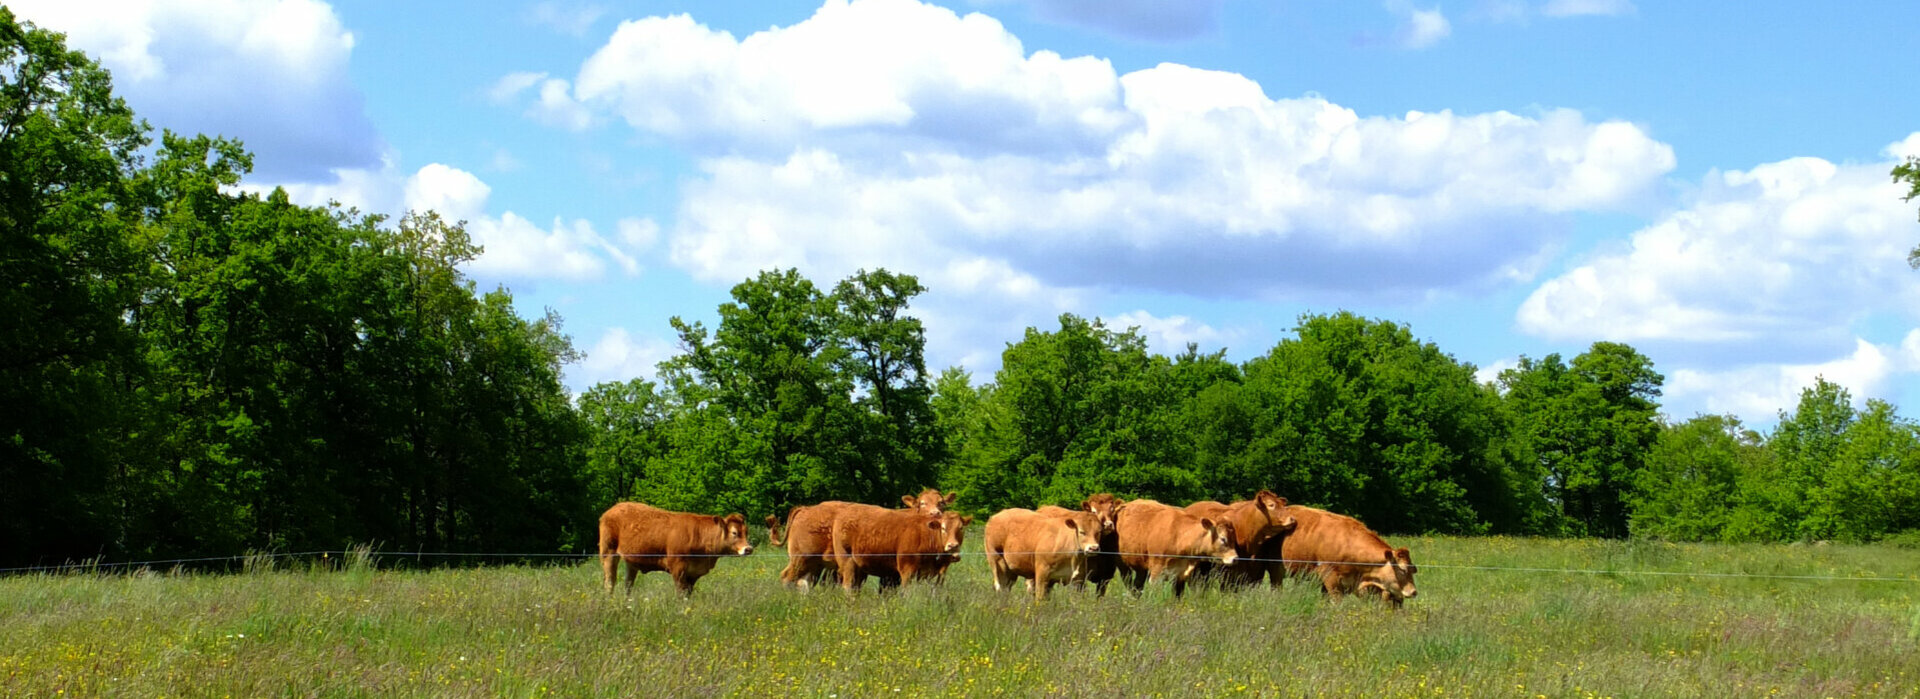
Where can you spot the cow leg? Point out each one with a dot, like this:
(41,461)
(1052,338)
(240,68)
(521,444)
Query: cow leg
(1275,571)
(1180,576)
(633,571)
(683,581)
(1042,580)
(609,569)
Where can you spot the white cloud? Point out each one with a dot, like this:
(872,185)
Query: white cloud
(1785,254)
(1581,8)
(1758,392)
(510,86)
(177,63)
(1491,372)
(515,247)
(1171,335)
(569,18)
(619,356)
(1023,183)
(1421,28)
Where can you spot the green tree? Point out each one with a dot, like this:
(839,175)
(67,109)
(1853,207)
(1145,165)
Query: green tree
(1587,426)
(1357,415)
(627,421)
(1079,410)
(72,264)
(1690,487)
(1908,173)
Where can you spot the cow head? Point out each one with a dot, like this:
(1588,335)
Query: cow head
(952,527)
(1086,530)
(1274,508)
(733,532)
(1393,579)
(929,501)
(1219,541)
(1104,507)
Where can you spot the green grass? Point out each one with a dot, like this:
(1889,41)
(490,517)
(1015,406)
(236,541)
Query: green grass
(520,631)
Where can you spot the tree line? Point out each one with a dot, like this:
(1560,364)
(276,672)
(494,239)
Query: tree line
(189,369)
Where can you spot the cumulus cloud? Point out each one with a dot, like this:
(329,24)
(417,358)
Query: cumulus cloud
(515,247)
(1420,28)
(177,63)
(620,356)
(1026,180)
(1758,392)
(962,146)
(571,18)
(1782,255)
(1170,335)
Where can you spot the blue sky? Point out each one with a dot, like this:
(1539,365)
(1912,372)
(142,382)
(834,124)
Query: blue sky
(1507,177)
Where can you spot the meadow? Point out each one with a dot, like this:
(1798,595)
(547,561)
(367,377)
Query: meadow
(365,628)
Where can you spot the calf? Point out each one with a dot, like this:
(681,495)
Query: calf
(1260,526)
(684,545)
(1347,556)
(1100,566)
(1043,548)
(895,546)
(1159,540)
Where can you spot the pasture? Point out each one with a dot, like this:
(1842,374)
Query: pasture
(534,631)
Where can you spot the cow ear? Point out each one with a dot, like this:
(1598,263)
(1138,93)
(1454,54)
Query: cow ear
(935,523)
(908,499)
(1073,524)
(1389,556)
(1206,523)
(1405,556)
(966,520)
(948,500)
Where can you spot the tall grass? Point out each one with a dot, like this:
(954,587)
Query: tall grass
(354,629)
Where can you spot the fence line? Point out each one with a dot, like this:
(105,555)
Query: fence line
(90,566)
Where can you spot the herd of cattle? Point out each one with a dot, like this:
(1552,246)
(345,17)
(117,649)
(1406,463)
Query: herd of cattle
(1240,544)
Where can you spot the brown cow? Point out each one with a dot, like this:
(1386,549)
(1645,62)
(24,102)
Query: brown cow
(895,546)
(810,534)
(1045,549)
(684,545)
(1156,539)
(1347,556)
(1260,526)
(1100,566)
(929,501)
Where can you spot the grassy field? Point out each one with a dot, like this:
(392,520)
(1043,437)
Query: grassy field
(519,631)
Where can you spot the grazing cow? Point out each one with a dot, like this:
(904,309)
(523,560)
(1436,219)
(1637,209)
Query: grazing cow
(1044,549)
(1260,526)
(1159,540)
(684,545)
(809,540)
(895,546)
(1347,556)
(1100,566)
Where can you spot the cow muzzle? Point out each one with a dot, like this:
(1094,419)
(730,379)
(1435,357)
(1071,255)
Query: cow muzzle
(1229,559)
(746,550)
(1091,548)
(952,547)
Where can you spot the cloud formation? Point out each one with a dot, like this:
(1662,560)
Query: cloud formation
(1764,257)
(962,151)
(515,248)
(178,62)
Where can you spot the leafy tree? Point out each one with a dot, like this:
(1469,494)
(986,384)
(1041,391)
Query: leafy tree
(71,266)
(1908,173)
(1356,415)
(1587,426)
(799,396)
(627,421)
(1690,487)
(1071,412)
